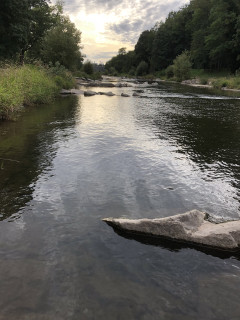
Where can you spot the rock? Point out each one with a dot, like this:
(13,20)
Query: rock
(192,227)
(139,91)
(89,93)
(63,91)
(100,84)
(135,94)
(109,94)
(125,95)
(123,85)
(77,91)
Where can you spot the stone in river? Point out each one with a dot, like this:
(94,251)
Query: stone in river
(192,227)
(89,93)
(110,94)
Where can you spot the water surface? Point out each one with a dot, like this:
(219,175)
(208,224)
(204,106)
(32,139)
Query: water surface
(66,166)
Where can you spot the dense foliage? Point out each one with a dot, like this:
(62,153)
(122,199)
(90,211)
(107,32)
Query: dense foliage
(32,29)
(208,29)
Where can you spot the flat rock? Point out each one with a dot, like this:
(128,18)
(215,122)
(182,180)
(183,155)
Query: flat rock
(109,94)
(192,227)
(64,91)
(89,93)
(125,95)
(77,91)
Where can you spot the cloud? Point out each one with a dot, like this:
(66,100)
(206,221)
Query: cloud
(108,25)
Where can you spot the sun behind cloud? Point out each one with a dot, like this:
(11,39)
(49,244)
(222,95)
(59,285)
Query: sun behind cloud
(107,25)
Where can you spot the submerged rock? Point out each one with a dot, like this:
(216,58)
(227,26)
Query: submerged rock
(135,94)
(125,95)
(191,227)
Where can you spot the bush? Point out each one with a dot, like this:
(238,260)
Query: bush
(203,81)
(169,72)
(142,69)
(132,71)
(113,72)
(88,67)
(230,83)
(63,78)
(182,66)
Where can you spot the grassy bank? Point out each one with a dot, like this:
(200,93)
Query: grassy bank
(29,85)
(218,80)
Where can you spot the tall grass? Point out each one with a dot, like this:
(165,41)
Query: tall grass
(29,85)
(227,82)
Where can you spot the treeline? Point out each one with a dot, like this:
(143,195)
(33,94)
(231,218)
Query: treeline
(207,31)
(33,30)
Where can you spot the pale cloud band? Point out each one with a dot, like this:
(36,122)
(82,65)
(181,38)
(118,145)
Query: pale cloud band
(108,25)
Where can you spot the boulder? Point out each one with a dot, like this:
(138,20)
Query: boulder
(135,94)
(192,227)
(89,93)
(125,95)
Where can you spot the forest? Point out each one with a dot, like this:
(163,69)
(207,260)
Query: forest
(205,31)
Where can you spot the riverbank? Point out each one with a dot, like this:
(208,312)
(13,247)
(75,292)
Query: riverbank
(205,79)
(29,85)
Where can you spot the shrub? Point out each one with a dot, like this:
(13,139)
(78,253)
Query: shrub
(203,81)
(169,72)
(132,71)
(88,67)
(142,69)
(182,66)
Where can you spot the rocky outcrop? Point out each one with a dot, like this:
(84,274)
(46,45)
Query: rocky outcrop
(192,227)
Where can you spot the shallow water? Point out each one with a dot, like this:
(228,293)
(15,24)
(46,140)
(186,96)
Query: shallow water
(66,166)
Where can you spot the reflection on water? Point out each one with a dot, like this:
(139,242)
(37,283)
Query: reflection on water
(82,159)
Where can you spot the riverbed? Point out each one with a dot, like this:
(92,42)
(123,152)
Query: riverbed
(66,165)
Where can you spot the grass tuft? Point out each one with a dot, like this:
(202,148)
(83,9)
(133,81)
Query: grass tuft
(29,85)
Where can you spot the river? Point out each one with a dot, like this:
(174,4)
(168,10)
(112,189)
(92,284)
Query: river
(67,165)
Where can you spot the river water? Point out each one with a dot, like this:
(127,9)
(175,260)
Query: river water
(67,165)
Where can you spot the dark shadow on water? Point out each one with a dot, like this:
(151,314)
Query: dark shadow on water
(27,149)
(174,246)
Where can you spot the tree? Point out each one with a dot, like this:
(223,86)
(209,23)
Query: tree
(182,66)
(172,38)
(224,15)
(88,67)
(143,48)
(199,26)
(22,24)
(142,69)
(62,44)
(122,51)
(123,62)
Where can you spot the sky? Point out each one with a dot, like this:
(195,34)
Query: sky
(108,25)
